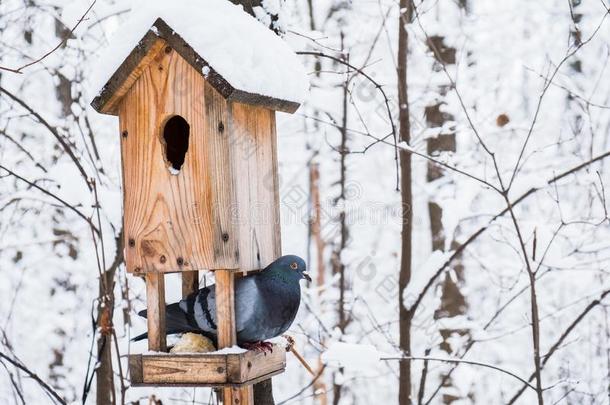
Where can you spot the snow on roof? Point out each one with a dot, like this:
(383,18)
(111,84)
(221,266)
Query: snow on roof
(243,52)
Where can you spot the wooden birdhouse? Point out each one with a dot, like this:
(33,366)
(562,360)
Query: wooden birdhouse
(196,92)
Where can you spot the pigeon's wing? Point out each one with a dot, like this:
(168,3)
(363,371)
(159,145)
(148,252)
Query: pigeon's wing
(176,321)
(200,307)
(247,301)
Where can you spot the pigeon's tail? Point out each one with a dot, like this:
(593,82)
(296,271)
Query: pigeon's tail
(176,321)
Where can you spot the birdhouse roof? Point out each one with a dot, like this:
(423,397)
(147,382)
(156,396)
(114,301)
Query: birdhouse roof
(240,57)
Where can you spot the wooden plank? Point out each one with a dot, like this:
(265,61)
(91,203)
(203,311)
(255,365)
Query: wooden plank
(190,283)
(247,366)
(184,369)
(253,141)
(122,79)
(227,337)
(217,129)
(169,222)
(210,370)
(155,303)
(225,308)
(276,232)
(178,376)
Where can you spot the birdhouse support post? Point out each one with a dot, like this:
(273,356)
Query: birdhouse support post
(227,336)
(155,301)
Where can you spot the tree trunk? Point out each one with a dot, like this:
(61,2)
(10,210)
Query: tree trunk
(404,394)
(105,388)
(105,392)
(263,393)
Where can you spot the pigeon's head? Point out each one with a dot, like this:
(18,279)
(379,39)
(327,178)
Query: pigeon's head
(293,266)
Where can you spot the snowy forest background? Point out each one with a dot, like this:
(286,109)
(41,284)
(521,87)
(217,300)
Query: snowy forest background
(499,256)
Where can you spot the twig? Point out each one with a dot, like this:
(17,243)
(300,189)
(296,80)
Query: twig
(533,301)
(35,377)
(378,87)
(16,388)
(482,230)
(19,70)
(62,201)
(562,338)
(547,84)
(65,146)
(460,361)
(305,388)
(24,150)
(290,348)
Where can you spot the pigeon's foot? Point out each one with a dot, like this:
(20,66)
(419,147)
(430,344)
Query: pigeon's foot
(259,347)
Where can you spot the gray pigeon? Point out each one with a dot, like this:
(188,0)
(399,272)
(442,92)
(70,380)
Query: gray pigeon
(266,304)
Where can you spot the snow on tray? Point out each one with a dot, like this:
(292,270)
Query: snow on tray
(228,350)
(238,47)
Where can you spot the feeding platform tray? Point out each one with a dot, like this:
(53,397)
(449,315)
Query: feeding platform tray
(215,369)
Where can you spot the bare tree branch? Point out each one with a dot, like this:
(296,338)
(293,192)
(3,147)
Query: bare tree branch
(50,194)
(562,338)
(60,139)
(461,361)
(19,70)
(482,230)
(34,377)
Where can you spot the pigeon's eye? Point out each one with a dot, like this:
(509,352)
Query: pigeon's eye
(294,266)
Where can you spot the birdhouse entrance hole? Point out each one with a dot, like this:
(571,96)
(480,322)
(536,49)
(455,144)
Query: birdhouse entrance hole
(176,136)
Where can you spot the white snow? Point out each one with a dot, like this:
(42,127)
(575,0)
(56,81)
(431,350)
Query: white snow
(422,275)
(243,51)
(230,350)
(351,356)
(405,146)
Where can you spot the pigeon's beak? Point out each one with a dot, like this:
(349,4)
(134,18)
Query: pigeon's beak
(306,276)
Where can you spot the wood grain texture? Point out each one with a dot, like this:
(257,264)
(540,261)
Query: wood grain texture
(225,241)
(155,304)
(238,395)
(184,369)
(210,370)
(249,365)
(131,69)
(169,219)
(256,203)
(222,210)
(225,308)
(227,336)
